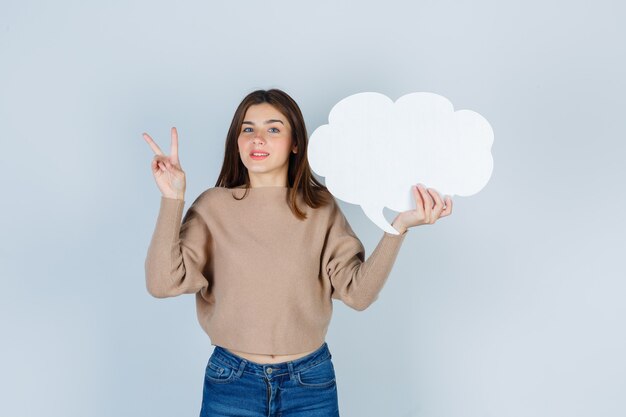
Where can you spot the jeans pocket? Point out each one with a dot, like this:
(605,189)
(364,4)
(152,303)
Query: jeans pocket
(218,373)
(321,375)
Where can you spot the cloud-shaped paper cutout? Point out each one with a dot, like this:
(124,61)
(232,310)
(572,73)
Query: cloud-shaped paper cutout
(373,150)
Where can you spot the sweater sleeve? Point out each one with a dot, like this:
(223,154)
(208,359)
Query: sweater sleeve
(178,255)
(355,281)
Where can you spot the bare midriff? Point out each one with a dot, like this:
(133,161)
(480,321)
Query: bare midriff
(264,359)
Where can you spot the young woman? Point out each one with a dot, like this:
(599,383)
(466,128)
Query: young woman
(265,251)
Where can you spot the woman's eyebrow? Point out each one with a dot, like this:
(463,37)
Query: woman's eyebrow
(247,122)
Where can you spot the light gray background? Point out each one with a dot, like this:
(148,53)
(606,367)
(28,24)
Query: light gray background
(512,306)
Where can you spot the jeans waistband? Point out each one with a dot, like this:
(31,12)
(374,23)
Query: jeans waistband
(240,364)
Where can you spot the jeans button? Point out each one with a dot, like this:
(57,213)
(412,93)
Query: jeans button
(269,370)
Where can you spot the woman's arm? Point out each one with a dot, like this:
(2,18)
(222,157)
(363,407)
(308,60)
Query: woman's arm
(178,255)
(356,281)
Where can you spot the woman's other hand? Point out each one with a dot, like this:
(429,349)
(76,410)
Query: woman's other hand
(168,174)
(428,209)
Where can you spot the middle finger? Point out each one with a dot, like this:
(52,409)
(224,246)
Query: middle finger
(152,144)
(428,201)
(438,202)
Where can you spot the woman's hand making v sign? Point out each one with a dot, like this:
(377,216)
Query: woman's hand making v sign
(428,208)
(169,176)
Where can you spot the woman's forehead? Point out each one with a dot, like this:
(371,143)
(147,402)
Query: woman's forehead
(264,113)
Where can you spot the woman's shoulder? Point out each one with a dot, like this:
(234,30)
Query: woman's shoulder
(210,195)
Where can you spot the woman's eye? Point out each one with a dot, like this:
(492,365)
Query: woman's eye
(249,129)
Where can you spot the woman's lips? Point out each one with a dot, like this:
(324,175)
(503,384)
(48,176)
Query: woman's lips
(258,158)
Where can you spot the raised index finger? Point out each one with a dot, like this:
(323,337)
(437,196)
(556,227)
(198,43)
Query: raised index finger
(174,150)
(152,144)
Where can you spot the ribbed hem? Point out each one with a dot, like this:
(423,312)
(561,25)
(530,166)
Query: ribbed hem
(398,236)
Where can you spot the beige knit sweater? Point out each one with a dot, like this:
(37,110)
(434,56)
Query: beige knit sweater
(263,280)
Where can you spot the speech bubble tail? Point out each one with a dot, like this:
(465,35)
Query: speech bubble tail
(375,214)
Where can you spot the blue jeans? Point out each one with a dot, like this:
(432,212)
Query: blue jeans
(235,386)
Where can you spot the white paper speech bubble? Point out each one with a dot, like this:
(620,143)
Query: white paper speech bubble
(373,150)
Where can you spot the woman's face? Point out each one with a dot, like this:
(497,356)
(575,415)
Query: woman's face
(265,129)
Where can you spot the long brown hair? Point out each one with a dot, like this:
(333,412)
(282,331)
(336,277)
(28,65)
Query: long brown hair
(235,174)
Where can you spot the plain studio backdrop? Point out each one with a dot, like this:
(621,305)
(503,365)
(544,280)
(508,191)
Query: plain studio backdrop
(513,306)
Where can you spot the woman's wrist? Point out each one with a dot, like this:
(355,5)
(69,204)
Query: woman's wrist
(399,226)
(174,197)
